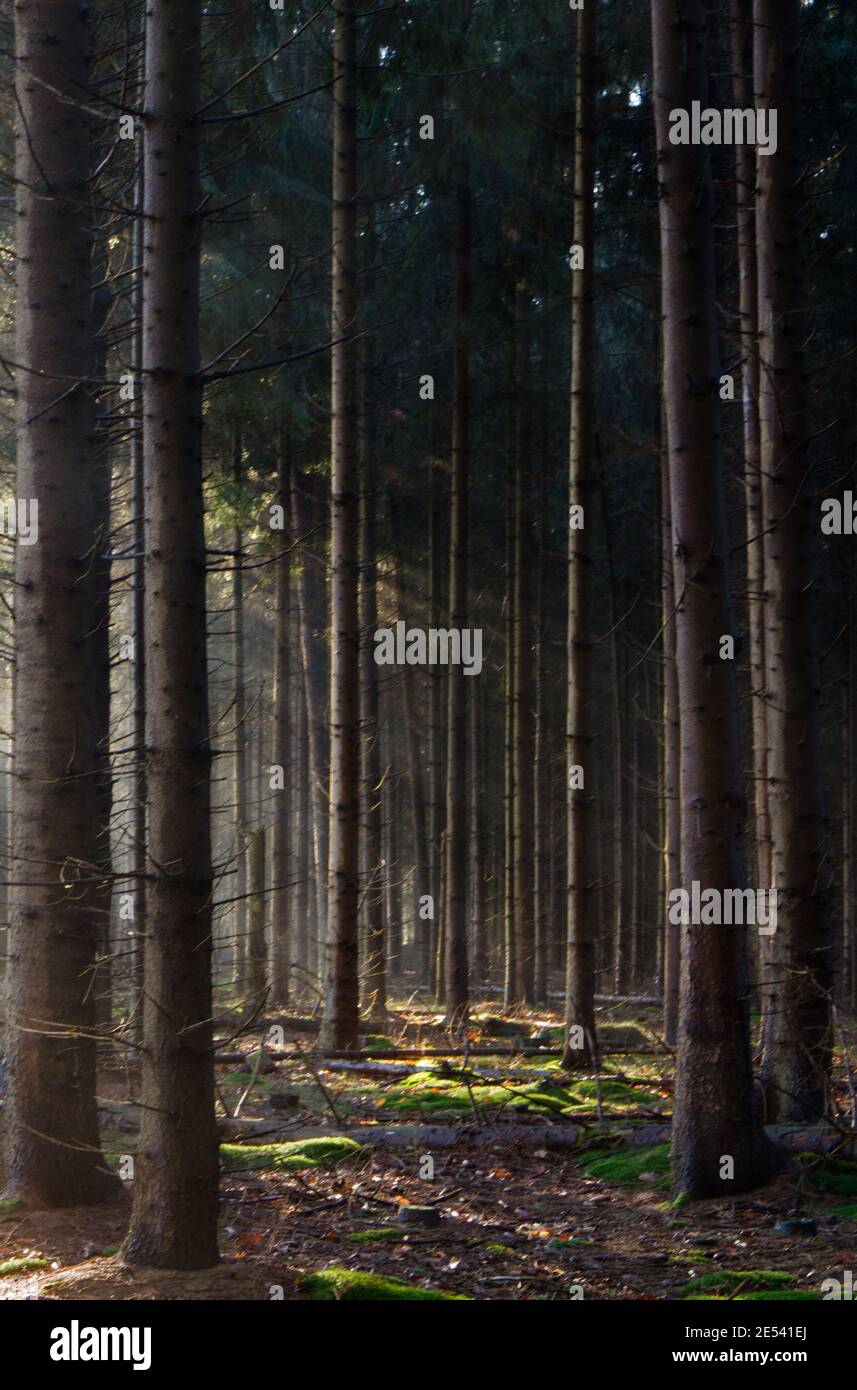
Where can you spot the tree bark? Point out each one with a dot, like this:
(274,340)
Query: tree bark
(52,1148)
(796,1064)
(312,621)
(714,1113)
(455,904)
(341,1005)
(282,901)
(670,771)
(580,1043)
(522,690)
(371,823)
(174,1219)
(239,722)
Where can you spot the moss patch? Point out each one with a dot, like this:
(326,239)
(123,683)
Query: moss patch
(624,1166)
(21,1265)
(428,1092)
(836,1175)
(748,1280)
(374,1233)
(351,1285)
(9,1205)
(300,1153)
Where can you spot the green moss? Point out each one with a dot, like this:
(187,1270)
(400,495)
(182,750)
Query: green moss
(850,1212)
(351,1285)
(21,1265)
(617,1093)
(376,1042)
(726,1280)
(429,1092)
(836,1175)
(300,1153)
(374,1233)
(624,1166)
(623,1034)
(9,1205)
(760,1296)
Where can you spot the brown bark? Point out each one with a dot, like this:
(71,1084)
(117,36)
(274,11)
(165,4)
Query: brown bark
(714,1114)
(138,697)
(239,722)
(522,684)
(52,1152)
(580,1046)
(745,183)
(455,903)
(256,952)
(797,1042)
(282,901)
(670,771)
(174,1219)
(312,610)
(341,1004)
(372,854)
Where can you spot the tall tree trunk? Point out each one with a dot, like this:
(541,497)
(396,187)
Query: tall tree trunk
(102,487)
(422,881)
(430,927)
(508,917)
(476,866)
(455,904)
(371,825)
(51,1128)
(340,1019)
(522,693)
(542,825)
(312,621)
(138,697)
(580,1046)
(174,1219)
(256,951)
(282,901)
(714,1112)
(239,721)
(670,772)
(797,1052)
(745,183)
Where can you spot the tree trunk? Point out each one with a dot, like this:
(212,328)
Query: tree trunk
(431,927)
(314,665)
(371,824)
(51,1130)
(455,905)
(714,1114)
(256,952)
(580,1045)
(174,1219)
(282,901)
(522,693)
(797,1052)
(239,721)
(138,698)
(670,771)
(341,1005)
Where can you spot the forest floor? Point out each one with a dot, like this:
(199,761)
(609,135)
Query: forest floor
(307,1213)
